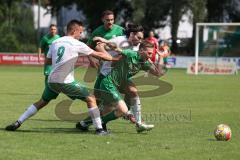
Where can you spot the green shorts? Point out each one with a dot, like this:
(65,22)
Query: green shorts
(97,90)
(122,88)
(74,90)
(48,94)
(99,79)
(109,92)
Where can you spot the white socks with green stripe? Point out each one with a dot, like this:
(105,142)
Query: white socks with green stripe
(95,116)
(136,108)
(31,110)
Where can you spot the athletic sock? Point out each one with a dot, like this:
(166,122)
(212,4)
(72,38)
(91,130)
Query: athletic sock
(31,110)
(95,116)
(109,117)
(136,108)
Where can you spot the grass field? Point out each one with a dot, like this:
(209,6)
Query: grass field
(184,122)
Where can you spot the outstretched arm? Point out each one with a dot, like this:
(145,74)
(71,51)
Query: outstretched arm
(105,56)
(158,69)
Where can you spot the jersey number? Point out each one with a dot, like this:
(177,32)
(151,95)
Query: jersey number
(60,53)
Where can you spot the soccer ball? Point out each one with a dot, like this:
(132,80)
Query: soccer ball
(222,132)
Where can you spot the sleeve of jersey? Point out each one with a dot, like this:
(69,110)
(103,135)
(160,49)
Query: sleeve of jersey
(84,49)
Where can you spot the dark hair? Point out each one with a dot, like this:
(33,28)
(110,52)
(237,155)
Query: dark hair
(133,28)
(146,44)
(52,25)
(107,12)
(72,24)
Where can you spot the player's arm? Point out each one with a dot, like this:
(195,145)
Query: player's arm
(164,51)
(39,53)
(157,69)
(40,49)
(93,62)
(48,61)
(105,56)
(101,55)
(108,45)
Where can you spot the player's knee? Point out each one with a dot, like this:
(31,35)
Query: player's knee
(121,108)
(133,92)
(91,101)
(40,104)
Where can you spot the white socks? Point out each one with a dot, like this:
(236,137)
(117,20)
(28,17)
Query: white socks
(93,112)
(95,116)
(136,108)
(31,110)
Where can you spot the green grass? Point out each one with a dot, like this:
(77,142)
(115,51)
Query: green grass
(184,118)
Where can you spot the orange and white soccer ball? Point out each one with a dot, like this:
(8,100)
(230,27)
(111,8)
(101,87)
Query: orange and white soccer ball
(223,132)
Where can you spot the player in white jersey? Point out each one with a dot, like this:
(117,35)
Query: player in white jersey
(134,35)
(63,54)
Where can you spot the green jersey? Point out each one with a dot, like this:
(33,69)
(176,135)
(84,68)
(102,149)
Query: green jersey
(46,41)
(115,31)
(128,66)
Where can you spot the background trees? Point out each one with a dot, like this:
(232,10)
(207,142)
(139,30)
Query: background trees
(16,27)
(16,15)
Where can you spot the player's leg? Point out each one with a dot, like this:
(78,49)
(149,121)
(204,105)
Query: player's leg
(110,97)
(75,90)
(94,114)
(47,96)
(97,90)
(132,94)
(134,101)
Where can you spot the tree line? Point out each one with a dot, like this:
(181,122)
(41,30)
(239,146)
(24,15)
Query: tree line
(19,35)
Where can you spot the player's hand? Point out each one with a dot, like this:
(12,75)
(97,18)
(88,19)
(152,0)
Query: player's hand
(150,61)
(117,49)
(117,58)
(100,40)
(164,51)
(93,62)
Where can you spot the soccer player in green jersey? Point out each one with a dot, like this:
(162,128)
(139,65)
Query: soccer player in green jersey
(134,35)
(131,63)
(107,31)
(45,42)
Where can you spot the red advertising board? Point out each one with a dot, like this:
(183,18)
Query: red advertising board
(31,59)
(211,67)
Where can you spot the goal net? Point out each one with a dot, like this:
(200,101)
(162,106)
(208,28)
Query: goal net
(217,49)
